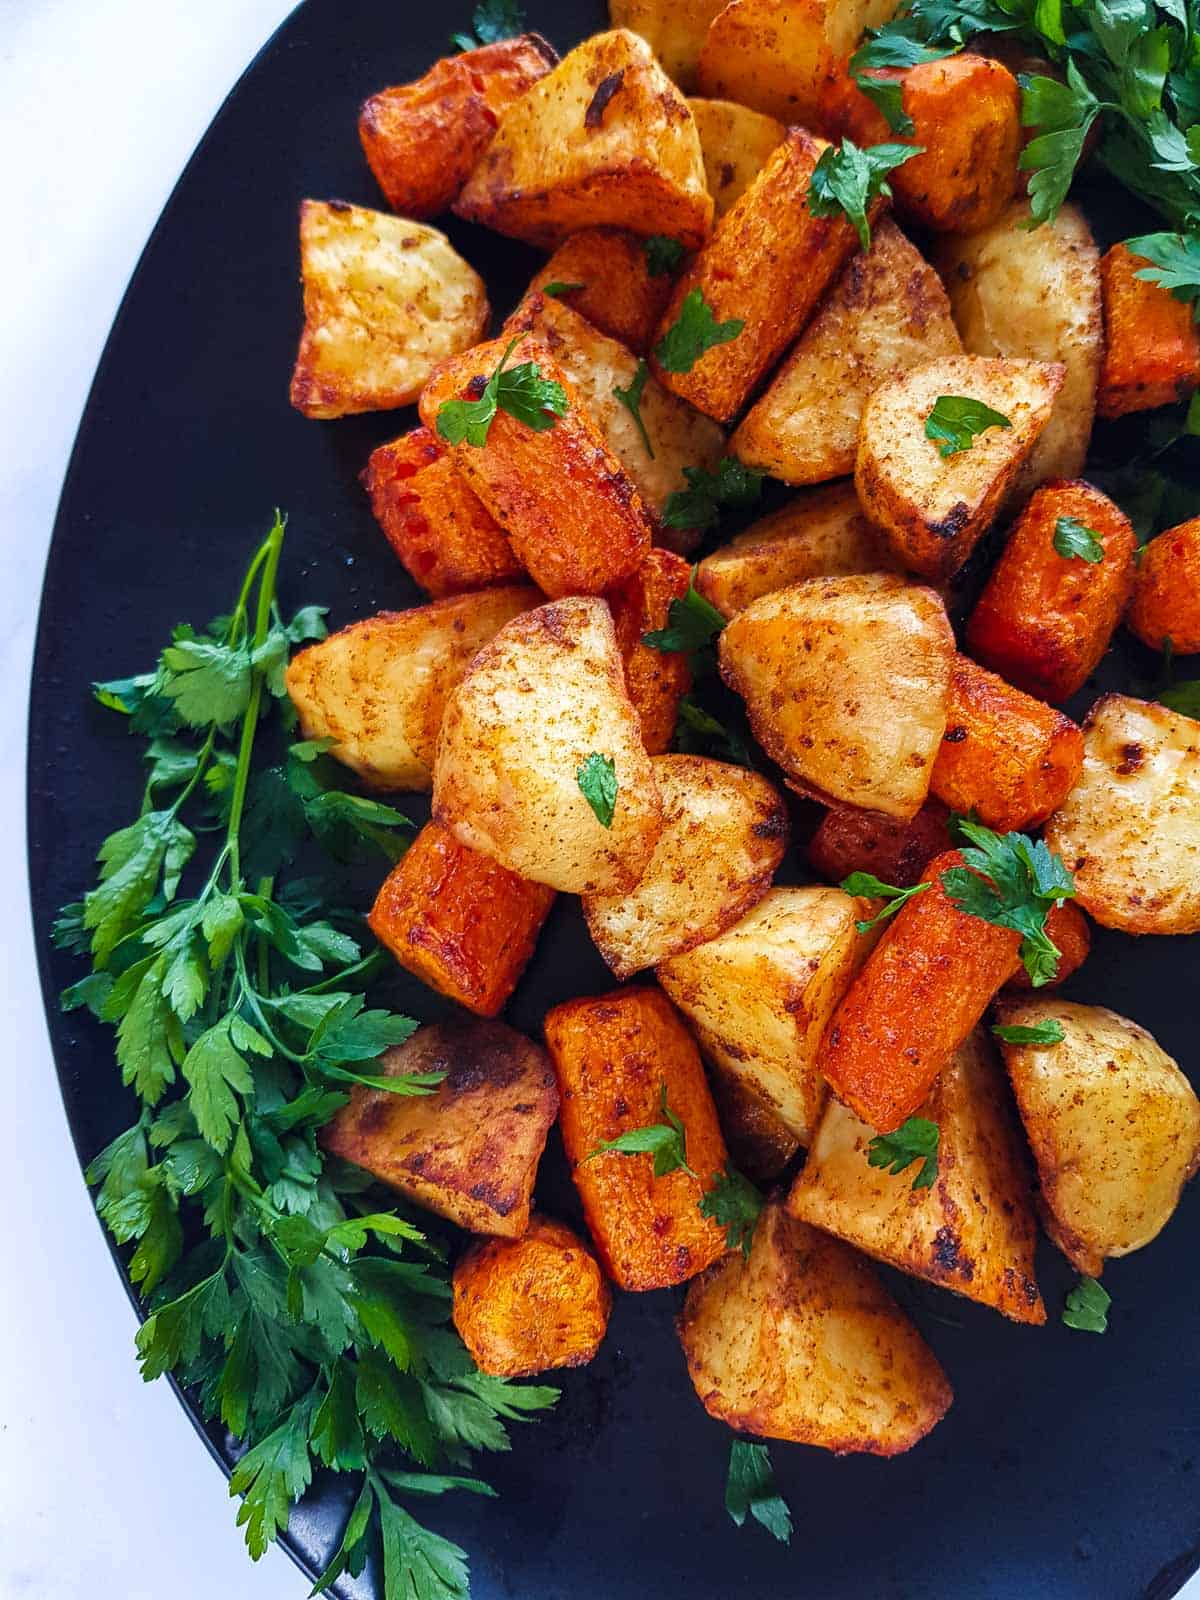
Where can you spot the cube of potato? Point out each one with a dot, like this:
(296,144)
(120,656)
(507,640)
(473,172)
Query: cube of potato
(846,683)
(674,29)
(1022,291)
(523,1306)
(616,292)
(886,313)
(935,508)
(572,513)
(821,534)
(849,840)
(1152,344)
(423,140)
(1044,620)
(1130,829)
(759,997)
(1166,591)
(724,833)
(606,138)
(539,701)
(385,300)
(614,1056)
(379,687)
(766,266)
(737,143)
(470,1149)
(459,921)
(759,1143)
(444,535)
(973,1231)
(1071,932)
(656,680)
(1114,1126)
(802,1342)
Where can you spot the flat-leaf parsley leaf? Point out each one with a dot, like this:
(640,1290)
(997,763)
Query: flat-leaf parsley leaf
(848,179)
(521,391)
(869,887)
(915,1140)
(597,778)
(750,1488)
(694,332)
(1048,1032)
(1087,1307)
(1074,538)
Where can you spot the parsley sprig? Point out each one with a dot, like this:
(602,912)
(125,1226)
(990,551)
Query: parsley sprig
(698,507)
(666,1141)
(1074,539)
(957,420)
(694,332)
(735,1204)
(1087,1307)
(597,780)
(1048,1032)
(1014,882)
(493,20)
(848,179)
(631,399)
(750,1488)
(521,391)
(869,887)
(693,626)
(915,1140)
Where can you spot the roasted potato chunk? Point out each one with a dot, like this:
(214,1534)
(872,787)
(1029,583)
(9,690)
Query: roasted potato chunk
(528,1305)
(459,921)
(766,266)
(379,687)
(423,140)
(606,138)
(615,1057)
(724,833)
(610,284)
(1166,591)
(572,513)
(759,996)
(544,698)
(1152,344)
(973,1230)
(470,1149)
(737,143)
(802,1342)
(385,300)
(674,29)
(1130,829)
(1071,932)
(846,683)
(656,680)
(759,1143)
(935,508)
(1114,1126)
(886,313)
(896,852)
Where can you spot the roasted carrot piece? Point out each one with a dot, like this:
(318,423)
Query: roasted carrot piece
(656,679)
(1152,344)
(1045,620)
(610,284)
(1071,931)
(849,840)
(1166,592)
(923,988)
(459,921)
(614,1056)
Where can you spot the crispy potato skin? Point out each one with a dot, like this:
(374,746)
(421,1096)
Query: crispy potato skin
(935,509)
(737,144)
(849,840)
(603,139)
(459,921)
(924,987)
(1130,829)
(469,1150)
(1152,344)
(1070,930)
(1044,620)
(760,1143)
(656,679)
(820,534)
(618,295)
(1166,591)
(846,681)
(759,997)
(528,1305)
(385,300)
(1007,757)
(422,140)
(613,1055)
(966,114)
(887,312)
(674,29)
(724,833)
(444,535)
(536,703)
(802,1342)
(380,686)
(973,1231)
(1113,1123)
(767,265)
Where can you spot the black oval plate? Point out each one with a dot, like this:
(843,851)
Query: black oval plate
(1066,1467)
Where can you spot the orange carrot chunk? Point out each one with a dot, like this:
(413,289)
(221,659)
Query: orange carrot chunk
(1152,344)
(656,679)
(1166,592)
(849,840)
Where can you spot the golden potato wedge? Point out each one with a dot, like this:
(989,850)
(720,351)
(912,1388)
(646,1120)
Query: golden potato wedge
(737,144)
(759,1143)
(605,138)
(973,1230)
(674,29)
(724,833)
(604,274)
(1114,1126)
(886,314)
(542,699)
(385,300)
(846,683)
(379,687)
(1130,828)
(759,996)
(470,1149)
(1018,291)
(803,1342)
(934,508)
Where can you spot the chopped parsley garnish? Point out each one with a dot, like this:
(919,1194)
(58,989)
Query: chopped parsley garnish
(956,421)
(663,255)
(1087,1307)
(734,1204)
(698,507)
(521,391)
(1014,882)
(1073,538)
(693,332)
(597,779)
(693,625)
(750,1488)
(631,399)
(493,20)
(556,290)
(666,1141)
(1048,1032)
(848,179)
(915,1140)
(869,887)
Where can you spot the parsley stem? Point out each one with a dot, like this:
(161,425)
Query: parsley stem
(376,961)
(270,553)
